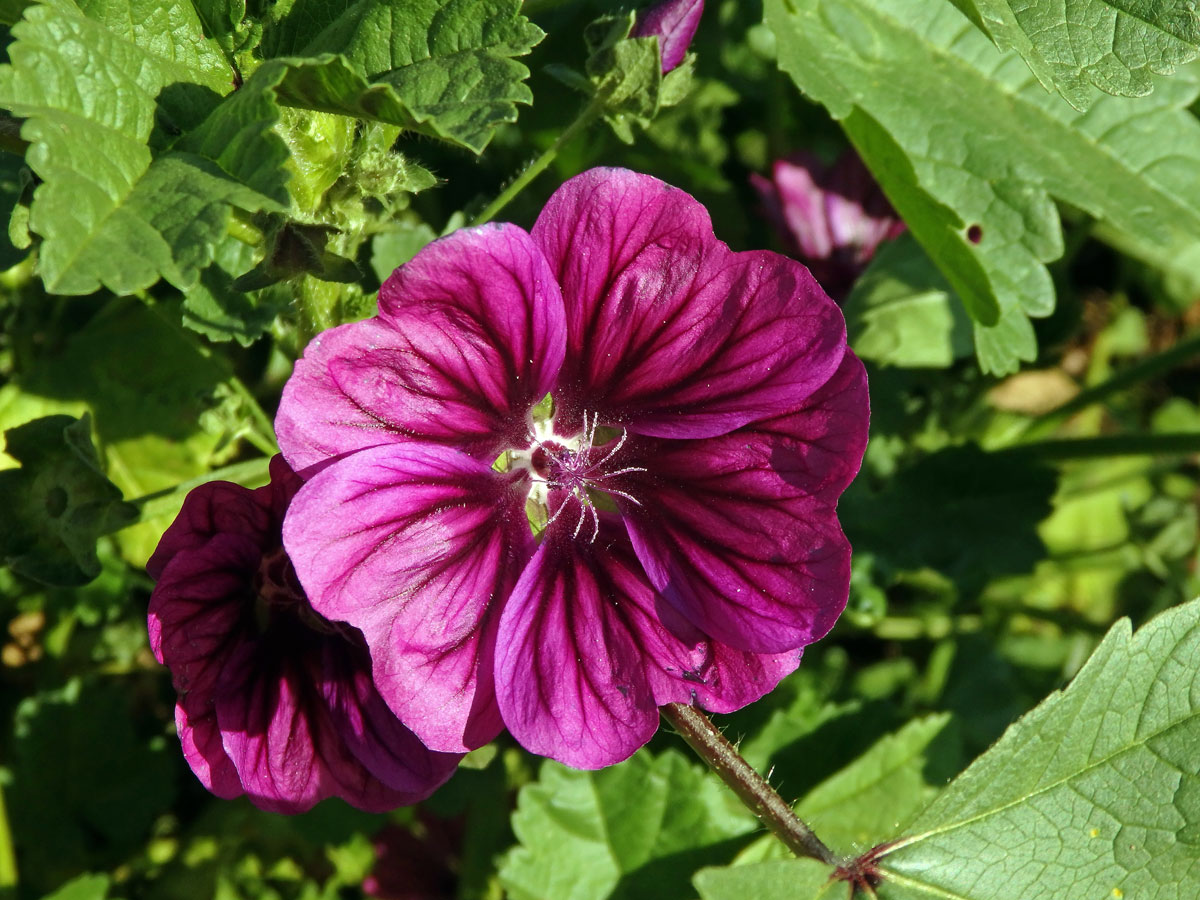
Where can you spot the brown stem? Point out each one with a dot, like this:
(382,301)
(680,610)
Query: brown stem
(752,789)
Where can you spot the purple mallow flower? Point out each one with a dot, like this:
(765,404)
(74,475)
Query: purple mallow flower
(832,217)
(275,702)
(674,23)
(677,420)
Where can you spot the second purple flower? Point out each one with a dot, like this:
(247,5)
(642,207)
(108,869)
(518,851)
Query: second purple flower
(676,419)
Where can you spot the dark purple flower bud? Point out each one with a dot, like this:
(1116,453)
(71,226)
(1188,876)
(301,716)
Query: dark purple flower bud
(674,23)
(275,701)
(831,217)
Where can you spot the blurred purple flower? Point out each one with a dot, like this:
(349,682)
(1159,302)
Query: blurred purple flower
(674,23)
(274,701)
(831,217)
(706,415)
(408,867)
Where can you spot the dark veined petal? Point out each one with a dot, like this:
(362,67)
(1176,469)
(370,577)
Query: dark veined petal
(669,333)
(584,658)
(375,737)
(740,531)
(287,741)
(273,702)
(740,553)
(196,622)
(416,545)
(469,337)
(817,449)
(218,507)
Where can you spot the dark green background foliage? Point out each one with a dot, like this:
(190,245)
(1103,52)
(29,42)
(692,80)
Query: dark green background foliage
(193,189)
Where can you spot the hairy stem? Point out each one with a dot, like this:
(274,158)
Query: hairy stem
(585,118)
(751,788)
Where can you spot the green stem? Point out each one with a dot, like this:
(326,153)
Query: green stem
(585,118)
(751,788)
(264,437)
(8,857)
(1181,444)
(1183,351)
(252,473)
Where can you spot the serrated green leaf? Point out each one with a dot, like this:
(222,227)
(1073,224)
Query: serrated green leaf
(902,312)
(638,829)
(1075,45)
(871,798)
(58,503)
(1096,793)
(441,67)
(793,879)
(970,149)
(101,85)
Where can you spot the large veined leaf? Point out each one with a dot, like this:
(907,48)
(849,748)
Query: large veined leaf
(1093,794)
(1096,793)
(1114,45)
(442,67)
(100,85)
(972,150)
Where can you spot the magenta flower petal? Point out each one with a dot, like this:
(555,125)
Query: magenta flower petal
(416,545)
(570,679)
(470,336)
(817,449)
(674,23)
(193,629)
(221,508)
(585,659)
(290,744)
(670,333)
(743,555)
(832,217)
(274,701)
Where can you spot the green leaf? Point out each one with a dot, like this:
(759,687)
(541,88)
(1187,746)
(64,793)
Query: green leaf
(86,785)
(901,311)
(1096,793)
(638,829)
(969,514)
(441,67)
(1114,45)
(970,149)
(146,409)
(58,504)
(85,887)
(101,86)
(868,801)
(214,309)
(793,879)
